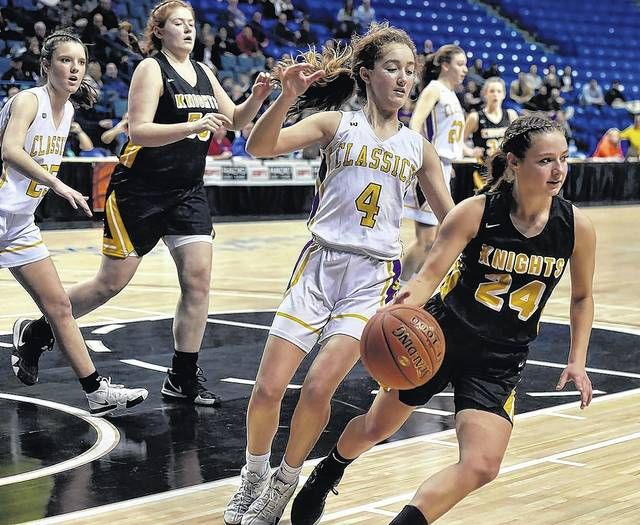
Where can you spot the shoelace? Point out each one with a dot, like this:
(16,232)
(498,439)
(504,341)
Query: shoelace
(274,494)
(246,494)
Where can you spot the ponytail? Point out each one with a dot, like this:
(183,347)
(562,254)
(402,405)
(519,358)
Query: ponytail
(433,62)
(86,95)
(499,179)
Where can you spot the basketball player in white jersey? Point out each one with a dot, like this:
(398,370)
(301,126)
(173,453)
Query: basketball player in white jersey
(438,115)
(350,266)
(34,125)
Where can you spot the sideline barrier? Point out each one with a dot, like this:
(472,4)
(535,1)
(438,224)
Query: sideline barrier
(286,186)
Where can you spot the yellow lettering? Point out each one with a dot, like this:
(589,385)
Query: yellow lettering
(338,160)
(375,158)
(396,163)
(559,267)
(405,164)
(485,251)
(549,262)
(386,161)
(347,161)
(362,157)
(499,259)
(510,257)
(522,263)
(535,264)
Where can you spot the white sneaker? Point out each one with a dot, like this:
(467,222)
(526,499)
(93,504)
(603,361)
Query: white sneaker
(109,398)
(251,486)
(268,508)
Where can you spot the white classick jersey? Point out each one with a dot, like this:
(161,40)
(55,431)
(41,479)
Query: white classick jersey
(44,142)
(444,126)
(361,186)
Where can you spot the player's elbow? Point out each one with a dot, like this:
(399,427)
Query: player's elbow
(256,150)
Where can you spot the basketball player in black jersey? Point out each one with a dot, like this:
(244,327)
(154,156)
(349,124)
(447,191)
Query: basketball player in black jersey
(512,244)
(157,190)
(487,126)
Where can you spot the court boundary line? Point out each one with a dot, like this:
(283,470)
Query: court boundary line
(107,439)
(234,481)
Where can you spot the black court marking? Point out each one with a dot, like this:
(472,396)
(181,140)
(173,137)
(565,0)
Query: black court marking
(168,446)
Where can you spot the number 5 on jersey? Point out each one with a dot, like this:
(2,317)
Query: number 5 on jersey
(367,203)
(203,135)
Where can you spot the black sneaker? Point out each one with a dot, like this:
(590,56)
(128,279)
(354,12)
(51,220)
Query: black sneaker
(308,506)
(26,352)
(191,390)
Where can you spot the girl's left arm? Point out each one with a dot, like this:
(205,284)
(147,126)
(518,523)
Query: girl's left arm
(582,266)
(244,113)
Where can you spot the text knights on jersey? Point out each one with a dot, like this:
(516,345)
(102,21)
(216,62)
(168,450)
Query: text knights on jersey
(188,100)
(509,261)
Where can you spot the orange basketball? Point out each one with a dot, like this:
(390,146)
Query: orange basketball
(402,347)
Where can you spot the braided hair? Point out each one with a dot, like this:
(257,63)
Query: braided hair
(86,95)
(517,140)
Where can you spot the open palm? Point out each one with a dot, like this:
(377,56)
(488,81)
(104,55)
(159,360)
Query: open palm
(297,78)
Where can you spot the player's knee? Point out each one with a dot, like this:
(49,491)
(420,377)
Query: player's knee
(482,469)
(317,392)
(58,308)
(375,432)
(196,284)
(266,394)
(106,288)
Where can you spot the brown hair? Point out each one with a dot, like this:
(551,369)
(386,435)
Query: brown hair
(158,18)
(86,95)
(342,66)
(433,62)
(517,140)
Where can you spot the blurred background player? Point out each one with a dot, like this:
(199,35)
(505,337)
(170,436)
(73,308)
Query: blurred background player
(34,126)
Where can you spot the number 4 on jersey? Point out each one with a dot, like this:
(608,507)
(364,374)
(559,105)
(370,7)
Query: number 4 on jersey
(367,203)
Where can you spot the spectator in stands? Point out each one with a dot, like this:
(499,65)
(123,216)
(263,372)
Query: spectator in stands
(94,29)
(614,95)
(632,134)
(40,31)
(12,91)
(592,94)
(365,14)
(77,141)
(551,79)
(109,16)
(94,77)
(346,15)
(427,48)
(239,146)
(220,146)
(247,43)
(562,117)
(235,16)
(116,136)
(258,30)
(224,43)
(283,34)
(609,145)
(31,58)
(208,53)
(519,89)
(308,36)
(112,85)
(493,71)
(566,80)
(16,72)
(471,100)
(476,73)
(546,100)
(533,79)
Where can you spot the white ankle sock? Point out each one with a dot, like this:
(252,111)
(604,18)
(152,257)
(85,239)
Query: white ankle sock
(258,464)
(287,473)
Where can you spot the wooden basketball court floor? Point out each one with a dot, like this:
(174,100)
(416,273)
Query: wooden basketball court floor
(563,465)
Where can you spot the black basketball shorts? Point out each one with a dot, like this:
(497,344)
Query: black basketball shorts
(483,374)
(134,223)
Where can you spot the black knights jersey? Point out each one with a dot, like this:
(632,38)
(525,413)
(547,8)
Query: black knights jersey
(489,135)
(180,165)
(502,279)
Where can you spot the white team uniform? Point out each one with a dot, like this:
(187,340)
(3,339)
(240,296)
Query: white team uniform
(444,128)
(350,267)
(20,239)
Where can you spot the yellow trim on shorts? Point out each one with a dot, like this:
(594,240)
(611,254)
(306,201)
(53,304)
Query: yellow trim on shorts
(129,155)
(121,245)
(299,321)
(354,316)
(510,405)
(20,248)
(301,266)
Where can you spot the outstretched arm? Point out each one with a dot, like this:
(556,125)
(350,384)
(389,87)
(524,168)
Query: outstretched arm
(582,266)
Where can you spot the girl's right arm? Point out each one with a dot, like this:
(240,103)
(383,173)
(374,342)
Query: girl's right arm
(144,95)
(425,104)
(269,139)
(23,112)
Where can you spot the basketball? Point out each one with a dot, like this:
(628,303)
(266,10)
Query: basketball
(402,347)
